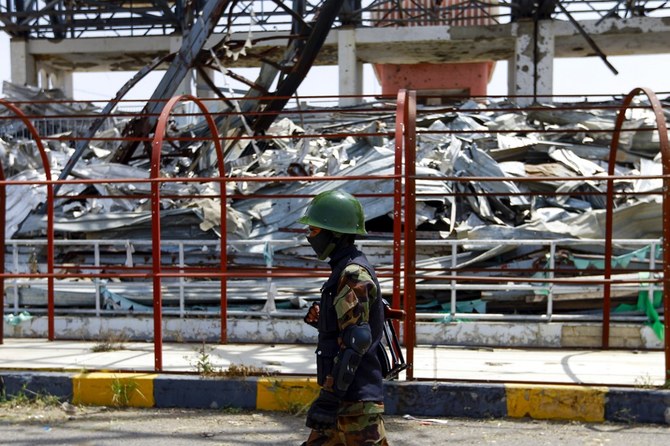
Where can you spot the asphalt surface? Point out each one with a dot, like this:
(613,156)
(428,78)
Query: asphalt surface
(93,426)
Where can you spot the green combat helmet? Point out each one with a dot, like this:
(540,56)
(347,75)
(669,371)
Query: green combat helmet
(336,211)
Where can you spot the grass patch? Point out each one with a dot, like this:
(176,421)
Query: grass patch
(241,370)
(109,342)
(26,398)
(205,367)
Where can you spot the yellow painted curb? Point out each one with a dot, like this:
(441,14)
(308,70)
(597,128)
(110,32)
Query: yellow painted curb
(556,402)
(114,389)
(286,394)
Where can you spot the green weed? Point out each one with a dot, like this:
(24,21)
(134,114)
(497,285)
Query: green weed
(27,398)
(203,362)
(122,392)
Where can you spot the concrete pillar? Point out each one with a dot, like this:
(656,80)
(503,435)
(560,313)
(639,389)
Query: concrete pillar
(63,80)
(23,66)
(42,79)
(350,68)
(530,72)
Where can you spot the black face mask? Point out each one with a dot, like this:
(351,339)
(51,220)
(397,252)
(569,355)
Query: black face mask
(323,243)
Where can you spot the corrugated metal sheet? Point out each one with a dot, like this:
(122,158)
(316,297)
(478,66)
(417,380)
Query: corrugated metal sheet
(499,142)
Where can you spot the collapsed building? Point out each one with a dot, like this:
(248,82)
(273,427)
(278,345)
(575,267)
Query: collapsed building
(475,215)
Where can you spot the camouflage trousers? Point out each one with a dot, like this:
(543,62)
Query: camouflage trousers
(357,424)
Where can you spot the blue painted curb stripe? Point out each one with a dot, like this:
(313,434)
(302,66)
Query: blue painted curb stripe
(445,400)
(56,384)
(205,393)
(638,405)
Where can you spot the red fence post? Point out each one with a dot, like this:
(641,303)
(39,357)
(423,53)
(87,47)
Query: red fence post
(3,219)
(397,200)
(407,118)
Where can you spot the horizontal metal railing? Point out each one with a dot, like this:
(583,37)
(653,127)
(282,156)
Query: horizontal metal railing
(92,288)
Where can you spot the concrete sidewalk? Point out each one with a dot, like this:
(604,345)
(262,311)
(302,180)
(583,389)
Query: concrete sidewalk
(584,385)
(564,366)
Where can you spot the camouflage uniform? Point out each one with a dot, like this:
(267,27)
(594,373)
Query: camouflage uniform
(359,422)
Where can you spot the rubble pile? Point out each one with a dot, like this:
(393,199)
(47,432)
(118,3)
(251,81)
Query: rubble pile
(495,144)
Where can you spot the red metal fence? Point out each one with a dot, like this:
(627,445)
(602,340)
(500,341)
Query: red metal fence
(407,114)
(403,272)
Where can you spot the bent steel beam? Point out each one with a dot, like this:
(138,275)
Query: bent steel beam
(83,144)
(175,74)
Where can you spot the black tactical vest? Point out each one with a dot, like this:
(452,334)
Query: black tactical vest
(367,385)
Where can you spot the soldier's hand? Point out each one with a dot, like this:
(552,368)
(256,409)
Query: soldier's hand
(312,316)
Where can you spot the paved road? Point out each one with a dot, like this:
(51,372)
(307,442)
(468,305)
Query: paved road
(95,426)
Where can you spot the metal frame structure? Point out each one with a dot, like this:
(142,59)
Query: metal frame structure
(267,95)
(63,19)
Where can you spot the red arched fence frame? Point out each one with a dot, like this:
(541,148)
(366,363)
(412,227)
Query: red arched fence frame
(406,112)
(156,182)
(50,223)
(662,130)
(406,138)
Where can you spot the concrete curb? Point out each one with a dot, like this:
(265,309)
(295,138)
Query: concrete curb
(435,399)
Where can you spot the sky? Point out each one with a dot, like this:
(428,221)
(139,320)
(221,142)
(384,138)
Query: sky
(580,76)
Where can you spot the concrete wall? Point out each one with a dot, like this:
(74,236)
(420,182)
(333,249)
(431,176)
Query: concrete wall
(294,331)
